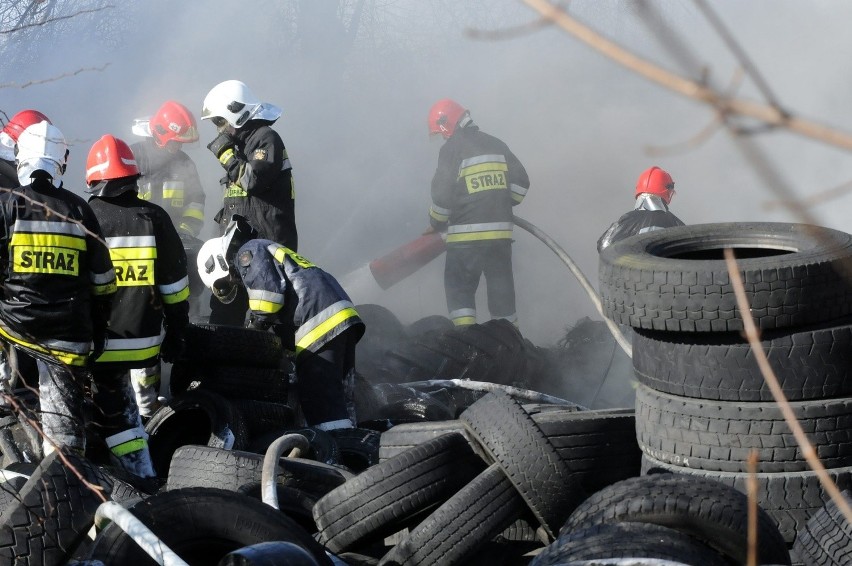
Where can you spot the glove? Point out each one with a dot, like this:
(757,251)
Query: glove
(221,144)
(98,346)
(256,323)
(173,346)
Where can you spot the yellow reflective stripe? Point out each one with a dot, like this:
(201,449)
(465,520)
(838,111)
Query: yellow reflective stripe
(323,328)
(134,445)
(517,198)
(473,236)
(146,380)
(438,216)
(107,289)
(226,156)
(129,355)
(132,253)
(173,298)
(67,358)
(464,320)
(48,240)
(281,252)
(193,213)
(483,168)
(264,306)
(235,190)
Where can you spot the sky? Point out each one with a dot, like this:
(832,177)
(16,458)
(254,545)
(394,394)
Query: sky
(355,106)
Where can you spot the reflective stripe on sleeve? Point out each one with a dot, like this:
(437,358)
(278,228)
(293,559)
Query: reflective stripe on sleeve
(322,323)
(265,301)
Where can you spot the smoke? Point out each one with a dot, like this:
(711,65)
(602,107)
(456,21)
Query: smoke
(356,78)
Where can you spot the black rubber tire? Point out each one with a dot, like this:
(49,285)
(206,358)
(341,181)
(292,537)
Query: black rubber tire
(383,333)
(296,503)
(262,417)
(270,385)
(213,344)
(629,540)
(810,363)
(201,525)
(194,417)
(432,323)
(677,279)
(359,447)
(700,507)
(454,532)
(53,512)
(789,498)
(204,466)
(396,493)
(513,440)
(323,447)
(720,435)
(826,539)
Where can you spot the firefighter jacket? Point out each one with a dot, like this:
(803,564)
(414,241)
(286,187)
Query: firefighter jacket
(8,174)
(476,184)
(650,213)
(171,181)
(150,271)
(58,280)
(261,187)
(287,290)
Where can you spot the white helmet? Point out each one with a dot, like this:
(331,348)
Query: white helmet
(233,102)
(212,260)
(41,147)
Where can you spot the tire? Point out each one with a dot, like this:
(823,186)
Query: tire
(432,323)
(810,363)
(826,539)
(53,512)
(700,507)
(235,382)
(677,280)
(720,435)
(454,532)
(202,525)
(296,503)
(395,493)
(513,440)
(195,417)
(359,448)
(628,540)
(384,332)
(203,466)
(262,417)
(213,344)
(323,447)
(267,554)
(789,498)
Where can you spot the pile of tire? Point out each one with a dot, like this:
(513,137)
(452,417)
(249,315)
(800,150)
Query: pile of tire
(703,405)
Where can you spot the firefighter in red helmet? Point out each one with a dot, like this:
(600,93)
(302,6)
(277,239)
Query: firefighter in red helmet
(9,138)
(151,274)
(654,192)
(477,182)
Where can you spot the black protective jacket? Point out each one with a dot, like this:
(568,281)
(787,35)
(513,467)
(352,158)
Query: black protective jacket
(477,182)
(651,213)
(307,305)
(151,273)
(261,188)
(8,174)
(171,181)
(58,279)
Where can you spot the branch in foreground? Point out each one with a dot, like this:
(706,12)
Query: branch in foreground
(53,79)
(56,19)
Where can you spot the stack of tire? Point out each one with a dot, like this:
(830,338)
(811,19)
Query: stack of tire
(228,390)
(703,405)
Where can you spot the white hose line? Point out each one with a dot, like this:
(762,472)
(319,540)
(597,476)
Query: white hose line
(515,392)
(269,486)
(138,532)
(590,291)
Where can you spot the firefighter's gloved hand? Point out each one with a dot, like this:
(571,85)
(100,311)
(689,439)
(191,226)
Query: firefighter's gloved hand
(98,346)
(221,144)
(257,323)
(173,347)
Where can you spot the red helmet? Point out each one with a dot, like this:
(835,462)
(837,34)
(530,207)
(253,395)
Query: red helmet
(173,122)
(23,120)
(655,181)
(110,158)
(444,116)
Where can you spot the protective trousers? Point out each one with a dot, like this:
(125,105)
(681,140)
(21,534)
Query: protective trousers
(465,265)
(322,383)
(118,422)
(18,370)
(146,387)
(62,391)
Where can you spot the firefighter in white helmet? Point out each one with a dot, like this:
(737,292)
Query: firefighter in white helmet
(302,304)
(258,181)
(153,287)
(57,282)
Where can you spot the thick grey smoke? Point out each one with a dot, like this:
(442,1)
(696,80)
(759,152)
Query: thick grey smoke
(356,78)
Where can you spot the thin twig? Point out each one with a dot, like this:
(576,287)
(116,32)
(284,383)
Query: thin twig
(808,451)
(54,79)
(752,508)
(56,19)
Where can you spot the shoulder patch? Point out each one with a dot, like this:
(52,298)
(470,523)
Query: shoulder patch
(260,155)
(244,259)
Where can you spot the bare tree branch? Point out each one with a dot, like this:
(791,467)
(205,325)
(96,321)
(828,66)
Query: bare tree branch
(53,79)
(56,19)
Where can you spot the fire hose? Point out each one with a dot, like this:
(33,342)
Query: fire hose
(590,291)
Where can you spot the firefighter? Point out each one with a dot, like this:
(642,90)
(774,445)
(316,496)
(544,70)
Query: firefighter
(9,138)
(301,303)
(58,282)
(477,182)
(153,287)
(654,192)
(16,367)
(258,181)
